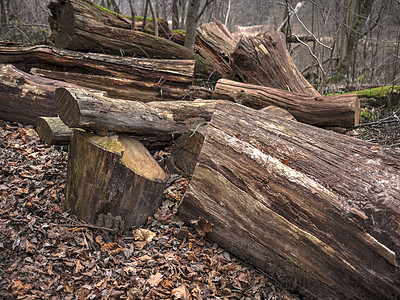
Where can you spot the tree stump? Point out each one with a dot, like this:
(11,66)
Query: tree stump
(114,176)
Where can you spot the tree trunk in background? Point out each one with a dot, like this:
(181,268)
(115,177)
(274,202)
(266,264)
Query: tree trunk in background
(155,18)
(191,21)
(175,15)
(355,15)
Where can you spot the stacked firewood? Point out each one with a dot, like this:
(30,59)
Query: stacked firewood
(313,208)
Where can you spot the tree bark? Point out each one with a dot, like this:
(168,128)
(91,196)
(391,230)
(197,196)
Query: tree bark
(264,60)
(214,43)
(191,21)
(122,77)
(321,111)
(84,26)
(114,176)
(316,210)
(103,115)
(356,13)
(24,97)
(53,131)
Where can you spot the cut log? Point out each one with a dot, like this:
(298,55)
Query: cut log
(215,44)
(82,25)
(114,176)
(53,131)
(316,210)
(24,97)
(129,78)
(322,111)
(103,115)
(264,60)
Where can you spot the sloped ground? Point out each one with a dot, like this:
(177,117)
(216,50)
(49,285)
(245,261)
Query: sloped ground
(45,253)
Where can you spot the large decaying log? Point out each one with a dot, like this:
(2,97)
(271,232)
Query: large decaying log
(102,115)
(130,78)
(321,111)
(214,43)
(264,60)
(315,209)
(24,97)
(114,176)
(82,25)
(53,131)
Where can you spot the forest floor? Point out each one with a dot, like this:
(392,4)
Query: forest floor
(46,253)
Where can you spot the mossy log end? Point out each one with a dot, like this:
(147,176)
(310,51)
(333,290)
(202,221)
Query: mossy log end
(317,210)
(114,176)
(53,131)
(321,111)
(103,115)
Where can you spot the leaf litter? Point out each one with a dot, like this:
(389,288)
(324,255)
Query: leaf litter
(46,253)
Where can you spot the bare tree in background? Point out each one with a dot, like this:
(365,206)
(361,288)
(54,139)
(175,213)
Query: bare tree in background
(355,15)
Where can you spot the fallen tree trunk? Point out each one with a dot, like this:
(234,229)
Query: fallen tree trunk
(24,97)
(214,43)
(130,78)
(114,176)
(316,210)
(264,60)
(322,111)
(53,131)
(84,26)
(103,115)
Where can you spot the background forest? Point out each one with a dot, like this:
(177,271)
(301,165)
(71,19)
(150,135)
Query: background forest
(333,43)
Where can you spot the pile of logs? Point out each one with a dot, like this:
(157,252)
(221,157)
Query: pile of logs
(317,210)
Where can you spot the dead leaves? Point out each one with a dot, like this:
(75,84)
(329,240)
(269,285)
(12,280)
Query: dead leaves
(43,257)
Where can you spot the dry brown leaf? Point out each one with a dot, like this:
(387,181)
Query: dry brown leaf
(78,267)
(110,246)
(143,235)
(29,247)
(202,226)
(155,279)
(69,287)
(181,292)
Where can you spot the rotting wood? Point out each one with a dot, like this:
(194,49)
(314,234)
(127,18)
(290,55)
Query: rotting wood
(112,181)
(264,60)
(25,97)
(103,115)
(82,25)
(214,43)
(316,210)
(322,111)
(53,131)
(130,78)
